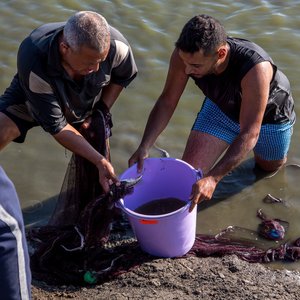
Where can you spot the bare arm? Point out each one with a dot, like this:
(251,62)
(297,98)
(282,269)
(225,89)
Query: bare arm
(255,92)
(110,94)
(163,109)
(71,139)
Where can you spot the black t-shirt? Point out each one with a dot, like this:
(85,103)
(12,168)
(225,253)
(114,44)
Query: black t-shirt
(52,97)
(225,89)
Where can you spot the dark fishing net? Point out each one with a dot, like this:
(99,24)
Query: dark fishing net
(71,249)
(81,222)
(81,182)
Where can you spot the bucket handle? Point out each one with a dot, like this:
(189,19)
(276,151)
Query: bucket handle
(118,205)
(199,174)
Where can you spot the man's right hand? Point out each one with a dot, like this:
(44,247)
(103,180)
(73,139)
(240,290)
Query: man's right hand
(138,157)
(107,174)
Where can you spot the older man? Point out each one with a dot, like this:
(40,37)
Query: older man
(66,71)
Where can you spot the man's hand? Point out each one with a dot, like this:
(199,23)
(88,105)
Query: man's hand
(203,189)
(138,157)
(106,174)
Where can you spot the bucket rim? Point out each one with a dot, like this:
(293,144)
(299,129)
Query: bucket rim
(168,159)
(120,204)
(198,172)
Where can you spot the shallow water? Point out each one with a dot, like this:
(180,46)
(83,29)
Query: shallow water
(37,167)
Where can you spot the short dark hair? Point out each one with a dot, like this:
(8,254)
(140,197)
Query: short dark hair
(201,32)
(87,28)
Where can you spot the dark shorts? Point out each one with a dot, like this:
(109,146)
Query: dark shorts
(273,142)
(13,105)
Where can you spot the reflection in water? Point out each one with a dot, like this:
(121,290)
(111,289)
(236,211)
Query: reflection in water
(37,167)
(245,175)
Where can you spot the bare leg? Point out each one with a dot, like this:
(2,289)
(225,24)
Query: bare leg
(203,150)
(8,130)
(269,165)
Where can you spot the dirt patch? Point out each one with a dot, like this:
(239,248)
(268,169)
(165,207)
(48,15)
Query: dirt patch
(185,278)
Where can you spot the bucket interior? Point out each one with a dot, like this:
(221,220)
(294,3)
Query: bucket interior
(162,178)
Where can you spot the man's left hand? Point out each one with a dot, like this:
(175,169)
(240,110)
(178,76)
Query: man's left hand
(203,189)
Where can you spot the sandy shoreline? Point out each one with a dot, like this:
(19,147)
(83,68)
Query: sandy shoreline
(186,278)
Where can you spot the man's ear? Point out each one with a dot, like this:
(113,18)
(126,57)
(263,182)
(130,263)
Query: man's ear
(63,47)
(222,51)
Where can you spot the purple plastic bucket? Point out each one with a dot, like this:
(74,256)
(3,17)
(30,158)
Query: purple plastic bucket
(168,235)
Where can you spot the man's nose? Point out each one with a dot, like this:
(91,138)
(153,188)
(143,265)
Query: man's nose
(188,69)
(94,68)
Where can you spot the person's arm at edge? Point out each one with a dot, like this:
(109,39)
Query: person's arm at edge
(163,109)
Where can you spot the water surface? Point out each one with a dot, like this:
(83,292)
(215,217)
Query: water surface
(37,167)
